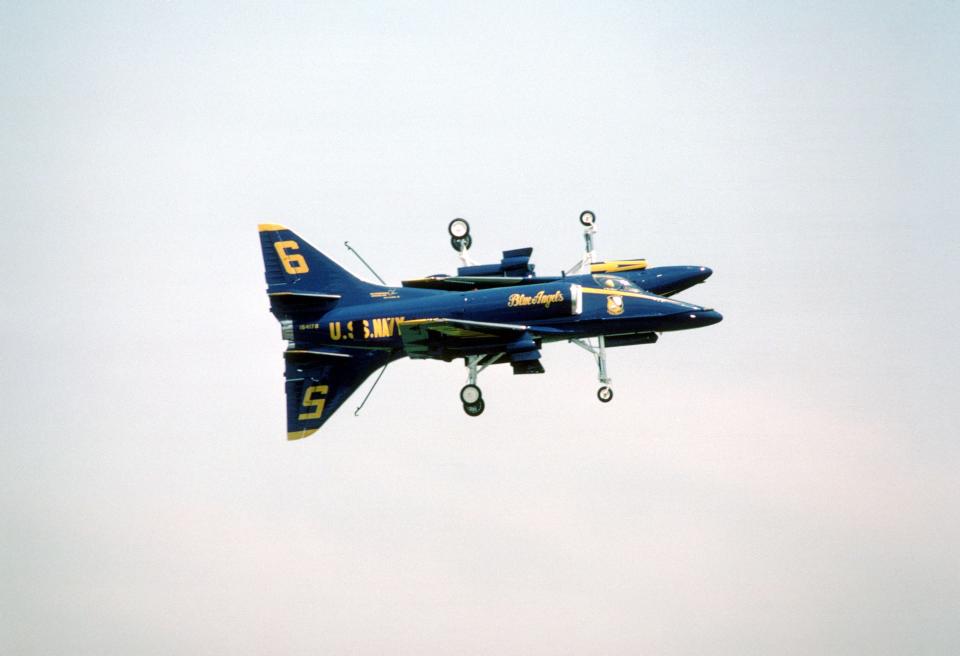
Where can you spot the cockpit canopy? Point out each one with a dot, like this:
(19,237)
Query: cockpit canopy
(615,283)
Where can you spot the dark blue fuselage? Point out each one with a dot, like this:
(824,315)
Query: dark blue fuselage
(339,329)
(577,307)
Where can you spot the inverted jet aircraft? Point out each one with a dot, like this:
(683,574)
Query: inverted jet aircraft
(515,267)
(340,329)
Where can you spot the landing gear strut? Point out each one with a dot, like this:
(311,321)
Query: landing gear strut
(589,222)
(599,353)
(470,395)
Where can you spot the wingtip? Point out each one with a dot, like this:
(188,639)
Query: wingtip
(270,227)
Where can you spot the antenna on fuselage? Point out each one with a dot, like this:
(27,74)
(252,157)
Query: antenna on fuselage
(588,220)
(356,413)
(350,248)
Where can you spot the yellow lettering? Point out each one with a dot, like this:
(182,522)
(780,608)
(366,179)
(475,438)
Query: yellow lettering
(335,333)
(292,263)
(541,298)
(366,329)
(316,403)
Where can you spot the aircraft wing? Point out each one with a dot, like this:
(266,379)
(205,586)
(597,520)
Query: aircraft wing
(513,269)
(467,283)
(446,339)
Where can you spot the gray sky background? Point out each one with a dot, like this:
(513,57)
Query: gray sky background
(783,482)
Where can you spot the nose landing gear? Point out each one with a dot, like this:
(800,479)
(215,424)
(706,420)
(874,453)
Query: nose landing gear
(599,353)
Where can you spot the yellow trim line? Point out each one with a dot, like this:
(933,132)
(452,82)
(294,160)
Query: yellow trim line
(616,266)
(270,227)
(300,434)
(615,292)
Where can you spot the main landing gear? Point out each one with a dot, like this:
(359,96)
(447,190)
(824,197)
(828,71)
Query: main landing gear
(599,353)
(470,395)
(472,399)
(460,239)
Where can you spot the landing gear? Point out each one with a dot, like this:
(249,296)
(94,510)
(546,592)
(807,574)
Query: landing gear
(599,353)
(588,220)
(461,244)
(470,395)
(460,237)
(458,228)
(474,409)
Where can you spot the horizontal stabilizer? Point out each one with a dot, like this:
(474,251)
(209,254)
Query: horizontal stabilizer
(288,305)
(305,356)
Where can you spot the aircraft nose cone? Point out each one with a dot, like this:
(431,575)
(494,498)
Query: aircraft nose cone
(710,317)
(701,318)
(705,272)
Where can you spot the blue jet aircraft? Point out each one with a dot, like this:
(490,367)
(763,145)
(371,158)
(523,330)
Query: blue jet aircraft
(340,329)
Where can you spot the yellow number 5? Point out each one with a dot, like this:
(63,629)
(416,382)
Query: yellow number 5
(316,403)
(294,263)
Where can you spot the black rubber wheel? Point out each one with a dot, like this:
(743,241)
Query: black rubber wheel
(459,229)
(474,409)
(587,218)
(470,394)
(459,243)
(605,394)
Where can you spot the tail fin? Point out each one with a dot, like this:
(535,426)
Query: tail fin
(319,382)
(294,267)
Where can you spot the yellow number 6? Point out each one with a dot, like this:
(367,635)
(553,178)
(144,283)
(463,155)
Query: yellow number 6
(294,263)
(317,403)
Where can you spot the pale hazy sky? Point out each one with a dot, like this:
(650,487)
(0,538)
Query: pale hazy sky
(784,482)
